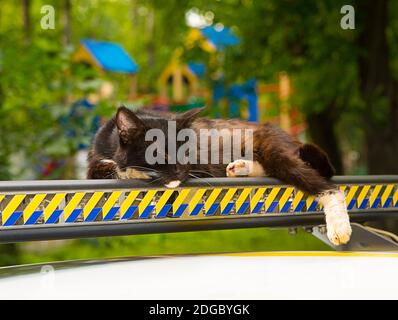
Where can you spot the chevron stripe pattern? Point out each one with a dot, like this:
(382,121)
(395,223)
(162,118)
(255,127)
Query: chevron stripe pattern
(187,203)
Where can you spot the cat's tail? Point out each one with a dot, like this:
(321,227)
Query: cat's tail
(317,159)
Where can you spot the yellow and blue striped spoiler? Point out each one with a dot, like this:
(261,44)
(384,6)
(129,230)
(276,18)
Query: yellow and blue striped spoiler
(29,204)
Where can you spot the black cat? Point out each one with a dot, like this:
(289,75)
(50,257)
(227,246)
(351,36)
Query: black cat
(120,151)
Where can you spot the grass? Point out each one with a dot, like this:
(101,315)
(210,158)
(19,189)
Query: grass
(242,240)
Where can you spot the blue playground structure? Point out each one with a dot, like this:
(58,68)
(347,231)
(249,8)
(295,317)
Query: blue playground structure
(108,56)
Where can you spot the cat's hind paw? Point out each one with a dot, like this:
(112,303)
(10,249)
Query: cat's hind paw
(337,219)
(339,230)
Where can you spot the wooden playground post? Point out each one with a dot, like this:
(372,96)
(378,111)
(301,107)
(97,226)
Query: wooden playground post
(284,95)
(178,93)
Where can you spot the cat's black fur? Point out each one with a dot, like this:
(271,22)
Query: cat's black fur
(122,139)
(121,143)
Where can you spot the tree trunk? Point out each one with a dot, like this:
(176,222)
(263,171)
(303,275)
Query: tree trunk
(150,35)
(321,127)
(27,27)
(378,88)
(67,22)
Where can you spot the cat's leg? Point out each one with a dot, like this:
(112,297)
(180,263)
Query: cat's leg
(245,168)
(336,215)
(102,169)
(292,170)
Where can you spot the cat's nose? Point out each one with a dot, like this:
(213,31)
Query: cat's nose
(173,184)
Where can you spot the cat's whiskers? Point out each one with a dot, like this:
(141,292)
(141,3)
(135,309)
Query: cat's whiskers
(152,181)
(196,177)
(111,174)
(201,171)
(139,167)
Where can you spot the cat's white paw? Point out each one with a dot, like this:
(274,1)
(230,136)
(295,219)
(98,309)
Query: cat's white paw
(238,168)
(337,219)
(338,229)
(245,168)
(173,184)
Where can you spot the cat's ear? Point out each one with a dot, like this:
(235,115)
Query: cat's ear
(186,118)
(128,124)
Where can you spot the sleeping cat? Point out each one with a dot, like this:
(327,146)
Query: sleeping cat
(120,150)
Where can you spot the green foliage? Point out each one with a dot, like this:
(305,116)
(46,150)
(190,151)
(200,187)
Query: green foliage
(243,240)
(39,82)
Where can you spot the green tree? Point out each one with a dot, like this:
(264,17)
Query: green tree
(345,80)
(378,82)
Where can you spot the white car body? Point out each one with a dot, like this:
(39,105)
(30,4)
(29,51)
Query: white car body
(263,275)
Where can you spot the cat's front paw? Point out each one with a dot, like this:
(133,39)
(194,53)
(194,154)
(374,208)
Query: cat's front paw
(238,168)
(102,169)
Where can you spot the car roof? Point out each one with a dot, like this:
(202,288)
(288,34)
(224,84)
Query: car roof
(259,275)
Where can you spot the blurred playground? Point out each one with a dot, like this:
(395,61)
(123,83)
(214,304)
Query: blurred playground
(285,62)
(98,75)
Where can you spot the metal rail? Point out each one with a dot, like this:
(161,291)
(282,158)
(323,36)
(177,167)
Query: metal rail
(47,210)
(91,230)
(28,186)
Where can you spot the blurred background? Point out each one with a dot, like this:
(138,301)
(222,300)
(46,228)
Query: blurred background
(65,65)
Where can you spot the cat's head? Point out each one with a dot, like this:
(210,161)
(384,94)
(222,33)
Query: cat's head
(138,134)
